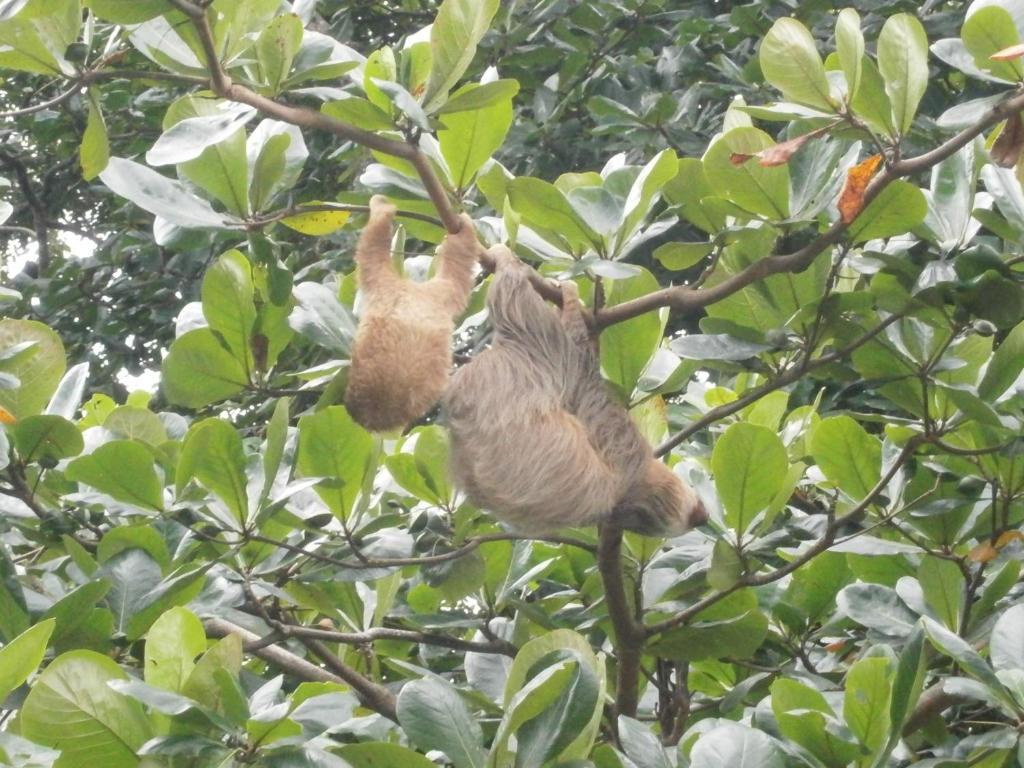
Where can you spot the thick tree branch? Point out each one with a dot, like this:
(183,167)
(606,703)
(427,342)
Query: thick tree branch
(371,694)
(628,632)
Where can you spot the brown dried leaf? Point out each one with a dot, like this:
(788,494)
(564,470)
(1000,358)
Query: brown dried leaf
(851,199)
(738,158)
(1007,54)
(1007,536)
(780,153)
(1009,144)
(983,553)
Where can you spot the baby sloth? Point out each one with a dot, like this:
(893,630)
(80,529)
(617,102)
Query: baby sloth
(535,435)
(402,354)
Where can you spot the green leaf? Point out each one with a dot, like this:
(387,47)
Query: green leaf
(847,454)
(470,137)
(762,191)
(943,587)
(1006,646)
(225,656)
(37,36)
(457,29)
(903,63)
(876,607)
(276,47)
(867,699)
(72,709)
(22,656)
(679,256)
(736,746)
(989,30)
(122,469)
(805,717)
(198,370)
(334,447)
(544,207)
(133,423)
(73,610)
(360,113)
(850,49)
(749,463)
(898,209)
(790,62)
(173,643)
(871,102)
(734,627)
(627,347)
(46,438)
(273,448)
(228,307)
(433,716)
(646,189)
(94,153)
(473,96)
(127,11)
(212,453)
(641,745)
(161,196)
(380,754)
(39,367)
(140,536)
(960,650)
(1003,367)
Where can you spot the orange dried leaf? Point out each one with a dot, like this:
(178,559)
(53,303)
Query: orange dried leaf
(983,553)
(738,158)
(780,153)
(851,199)
(1007,536)
(6,417)
(1009,144)
(1007,54)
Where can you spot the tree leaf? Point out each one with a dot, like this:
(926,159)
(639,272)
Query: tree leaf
(173,643)
(212,453)
(433,717)
(198,370)
(122,469)
(850,49)
(848,455)
(227,296)
(470,137)
(458,28)
(39,367)
(1006,646)
(760,190)
(333,446)
(736,746)
(790,62)
(161,196)
(896,210)
(749,463)
(46,438)
(943,587)
(903,63)
(987,31)
(867,699)
(72,709)
(22,656)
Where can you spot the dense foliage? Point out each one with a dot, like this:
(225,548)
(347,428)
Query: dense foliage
(800,240)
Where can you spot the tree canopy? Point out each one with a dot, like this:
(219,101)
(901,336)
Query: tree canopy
(799,241)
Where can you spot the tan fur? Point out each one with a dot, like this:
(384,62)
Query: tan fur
(402,355)
(536,438)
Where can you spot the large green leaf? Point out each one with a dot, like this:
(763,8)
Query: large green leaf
(173,643)
(46,438)
(867,701)
(627,347)
(470,137)
(944,589)
(21,657)
(903,63)
(458,27)
(750,464)
(38,366)
(899,208)
(334,447)
(72,709)
(734,626)
(276,47)
(989,30)
(544,207)
(160,195)
(762,191)
(36,38)
(736,746)
(228,307)
(1003,367)
(122,469)
(847,454)
(127,11)
(213,454)
(646,188)
(198,370)
(805,717)
(1006,646)
(790,61)
(850,49)
(433,716)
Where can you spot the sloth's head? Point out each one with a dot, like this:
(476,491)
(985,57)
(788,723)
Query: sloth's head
(659,503)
